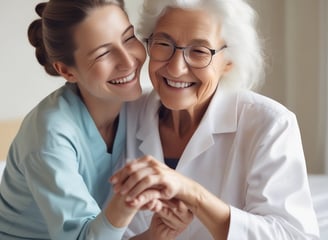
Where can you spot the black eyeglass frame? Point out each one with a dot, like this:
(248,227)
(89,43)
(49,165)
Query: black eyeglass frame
(175,47)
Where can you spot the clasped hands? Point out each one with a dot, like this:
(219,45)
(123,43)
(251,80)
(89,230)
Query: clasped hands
(158,188)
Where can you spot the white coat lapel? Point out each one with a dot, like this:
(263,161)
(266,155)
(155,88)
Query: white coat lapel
(220,117)
(147,134)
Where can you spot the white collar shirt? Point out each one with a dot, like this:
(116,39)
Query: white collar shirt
(247,151)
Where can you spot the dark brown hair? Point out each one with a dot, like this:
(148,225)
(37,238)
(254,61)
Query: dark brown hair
(52,34)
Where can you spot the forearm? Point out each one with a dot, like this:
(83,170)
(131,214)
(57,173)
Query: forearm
(210,210)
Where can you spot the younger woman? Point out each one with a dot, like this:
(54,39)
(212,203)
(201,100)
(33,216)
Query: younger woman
(56,179)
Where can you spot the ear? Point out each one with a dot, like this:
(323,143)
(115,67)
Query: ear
(65,71)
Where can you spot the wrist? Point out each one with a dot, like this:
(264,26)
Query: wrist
(118,213)
(191,194)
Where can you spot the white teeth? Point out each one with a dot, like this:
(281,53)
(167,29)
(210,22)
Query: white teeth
(178,84)
(124,80)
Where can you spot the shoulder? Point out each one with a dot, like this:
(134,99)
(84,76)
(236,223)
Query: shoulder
(56,114)
(264,116)
(260,105)
(58,107)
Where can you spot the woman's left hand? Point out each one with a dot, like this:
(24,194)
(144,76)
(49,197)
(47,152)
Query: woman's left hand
(148,173)
(170,221)
(119,212)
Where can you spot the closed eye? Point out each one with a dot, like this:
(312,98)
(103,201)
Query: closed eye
(130,38)
(162,44)
(102,55)
(199,50)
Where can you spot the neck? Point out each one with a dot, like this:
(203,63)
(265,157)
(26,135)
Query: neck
(105,114)
(177,127)
(183,122)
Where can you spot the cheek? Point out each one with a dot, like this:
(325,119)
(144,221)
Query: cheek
(153,70)
(139,52)
(214,74)
(143,54)
(210,80)
(100,71)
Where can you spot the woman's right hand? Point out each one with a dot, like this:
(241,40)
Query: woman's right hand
(148,173)
(169,222)
(172,220)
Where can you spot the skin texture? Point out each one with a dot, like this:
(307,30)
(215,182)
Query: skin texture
(187,105)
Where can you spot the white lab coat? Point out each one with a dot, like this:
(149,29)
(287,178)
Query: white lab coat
(247,151)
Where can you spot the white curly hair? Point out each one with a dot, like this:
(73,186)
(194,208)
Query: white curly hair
(238,24)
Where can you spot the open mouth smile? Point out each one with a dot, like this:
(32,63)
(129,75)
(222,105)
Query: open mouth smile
(176,84)
(124,80)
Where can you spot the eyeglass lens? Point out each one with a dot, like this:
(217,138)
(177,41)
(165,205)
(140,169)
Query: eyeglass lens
(161,49)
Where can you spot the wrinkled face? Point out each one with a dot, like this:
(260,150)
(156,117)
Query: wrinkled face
(180,86)
(108,56)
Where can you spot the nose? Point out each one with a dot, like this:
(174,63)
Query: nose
(125,59)
(177,65)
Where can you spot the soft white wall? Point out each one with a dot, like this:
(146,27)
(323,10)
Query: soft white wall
(23,81)
(294,51)
(323,124)
(303,75)
(271,22)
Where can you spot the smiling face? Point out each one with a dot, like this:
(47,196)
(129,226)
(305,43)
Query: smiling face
(108,57)
(180,86)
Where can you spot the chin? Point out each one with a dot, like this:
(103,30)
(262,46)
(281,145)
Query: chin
(133,97)
(175,105)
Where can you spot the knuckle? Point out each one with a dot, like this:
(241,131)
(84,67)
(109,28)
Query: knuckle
(148,180)
(129,167)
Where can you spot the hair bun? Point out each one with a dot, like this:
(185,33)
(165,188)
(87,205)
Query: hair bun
(35,38)
(39,8)
(35,33)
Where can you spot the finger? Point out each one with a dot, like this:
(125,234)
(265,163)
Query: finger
(179,208)
(147,200)
(150,181)
(171,203)
(120,178)
(179,216)
(161,230)
(127,170)
(138,182)
(182,211)
(132,178)
(155,205)
(168,218)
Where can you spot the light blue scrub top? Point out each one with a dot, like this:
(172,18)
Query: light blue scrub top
(56,178)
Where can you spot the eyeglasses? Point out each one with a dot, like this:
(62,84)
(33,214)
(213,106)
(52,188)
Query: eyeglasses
(196,56)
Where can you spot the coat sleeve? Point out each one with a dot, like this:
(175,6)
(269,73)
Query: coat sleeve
(278,202)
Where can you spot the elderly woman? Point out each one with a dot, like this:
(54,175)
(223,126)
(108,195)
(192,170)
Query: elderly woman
(238,157)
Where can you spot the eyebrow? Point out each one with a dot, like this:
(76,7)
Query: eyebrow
(108,44)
